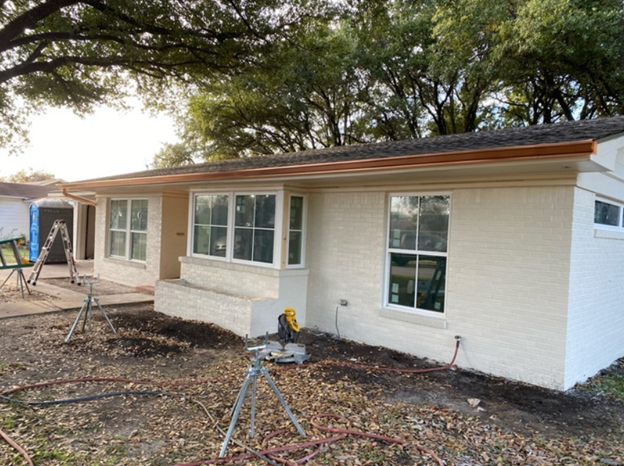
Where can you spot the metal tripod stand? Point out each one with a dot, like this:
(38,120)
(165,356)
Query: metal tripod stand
(255,369)
(87,309)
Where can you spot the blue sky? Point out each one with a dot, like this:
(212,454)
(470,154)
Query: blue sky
(108,142)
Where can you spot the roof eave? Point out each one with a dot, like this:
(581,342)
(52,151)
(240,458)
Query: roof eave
(540,151)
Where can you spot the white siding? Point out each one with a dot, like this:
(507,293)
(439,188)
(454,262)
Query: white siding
(506,289)
(14,218)
(596,315)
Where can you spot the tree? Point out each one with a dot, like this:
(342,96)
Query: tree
(304,95)
(80,53)
(383,70)
(29,176)
(549,59)
(174,155)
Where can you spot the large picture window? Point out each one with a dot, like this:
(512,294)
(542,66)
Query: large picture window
(235,226)
(418,251)
(128,229)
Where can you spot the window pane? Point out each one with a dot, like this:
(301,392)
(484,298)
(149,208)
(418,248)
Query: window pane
(139,246)
(402,277)
(243,243)
(403,222)
(296,213)
(606,214)
(118,243)
(118,218)
(263,246)
(202,210)
(431,283)
(245,211)
(138,220)
(294,247)
(265,211)
(211,210)
(218,241)
(434,221)
(219,210)
(201,239)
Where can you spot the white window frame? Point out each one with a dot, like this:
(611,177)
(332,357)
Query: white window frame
(229,254)
(128,230)
(302,231)
(387,302)
(620,206)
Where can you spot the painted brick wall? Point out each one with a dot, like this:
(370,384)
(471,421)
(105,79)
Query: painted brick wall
(180,299)
(509,273)
(506,289)
(244,299)
(236,279)
(596,324)
(128,272)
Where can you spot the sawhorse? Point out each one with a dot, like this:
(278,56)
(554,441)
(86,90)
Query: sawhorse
(16,266)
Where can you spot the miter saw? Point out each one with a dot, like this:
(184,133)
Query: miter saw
(287,331)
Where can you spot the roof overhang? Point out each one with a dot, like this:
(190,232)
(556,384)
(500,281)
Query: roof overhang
(577,152)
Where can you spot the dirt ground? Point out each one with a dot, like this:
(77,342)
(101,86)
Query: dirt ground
(169,381)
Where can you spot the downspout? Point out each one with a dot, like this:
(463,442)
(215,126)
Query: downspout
(78,198)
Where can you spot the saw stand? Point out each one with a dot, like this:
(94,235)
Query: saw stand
(255,369)
(87,308)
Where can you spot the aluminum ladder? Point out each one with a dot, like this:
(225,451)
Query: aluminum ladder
(58,225)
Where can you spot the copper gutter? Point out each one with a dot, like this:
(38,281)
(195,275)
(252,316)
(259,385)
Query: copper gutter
(555,150)
(84,200)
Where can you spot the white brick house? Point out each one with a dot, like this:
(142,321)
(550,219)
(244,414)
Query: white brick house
(512,239)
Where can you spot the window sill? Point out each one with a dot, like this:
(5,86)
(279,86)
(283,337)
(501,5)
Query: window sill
(413,318)
(249,267)
(608,234)
(124,262)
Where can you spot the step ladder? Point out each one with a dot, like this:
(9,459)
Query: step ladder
(58,226)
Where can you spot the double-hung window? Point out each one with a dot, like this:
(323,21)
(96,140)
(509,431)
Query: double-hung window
(210,224)
(417,252)
(128,229)
(608,215)
(296,231)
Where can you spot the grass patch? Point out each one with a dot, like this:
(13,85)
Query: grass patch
(611,385)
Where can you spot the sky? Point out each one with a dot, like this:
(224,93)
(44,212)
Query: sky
(107,142)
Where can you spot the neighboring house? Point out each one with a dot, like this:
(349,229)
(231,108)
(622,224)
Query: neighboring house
(511,239)
(15,200)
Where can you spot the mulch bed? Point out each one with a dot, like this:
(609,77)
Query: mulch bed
(197,369)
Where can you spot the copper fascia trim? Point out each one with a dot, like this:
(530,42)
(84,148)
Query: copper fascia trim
(77,198)
(554,150)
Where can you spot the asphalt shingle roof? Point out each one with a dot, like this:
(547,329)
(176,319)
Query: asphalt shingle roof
(25,191)
(510,137)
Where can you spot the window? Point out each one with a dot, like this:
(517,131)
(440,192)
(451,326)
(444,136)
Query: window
(608,215)
(417,252)
(295,231)
(240,230)
(254,227)
(210,225)
(128,229)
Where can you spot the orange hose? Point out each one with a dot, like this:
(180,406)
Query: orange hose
(21,451)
